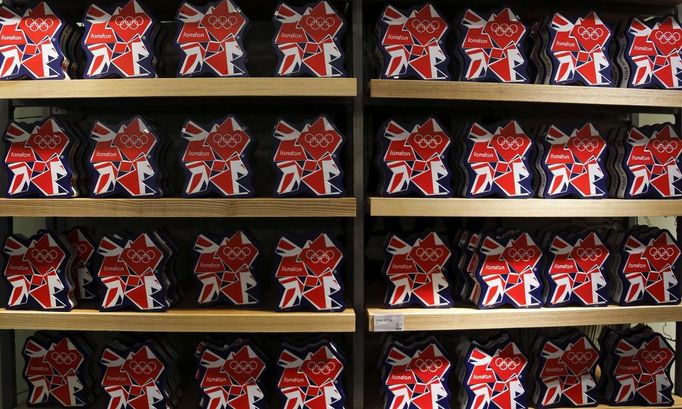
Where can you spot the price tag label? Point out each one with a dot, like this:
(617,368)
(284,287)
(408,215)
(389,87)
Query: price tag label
(388,322)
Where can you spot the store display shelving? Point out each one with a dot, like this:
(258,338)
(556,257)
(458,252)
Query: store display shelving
(490,207)
(179,207)
(358,94)
(524,93)
(470,318)
(179,88)
(181,319)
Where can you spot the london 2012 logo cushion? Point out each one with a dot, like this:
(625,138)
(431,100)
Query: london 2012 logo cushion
(411,43)
(118,41)
(309,40)
(210,39)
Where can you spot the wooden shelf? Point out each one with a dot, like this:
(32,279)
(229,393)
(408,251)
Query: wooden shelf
(533,93)
(179,87)
(180,320)
(464,318)
(179,207)
(463,207)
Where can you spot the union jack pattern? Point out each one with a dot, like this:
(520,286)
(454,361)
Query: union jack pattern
(498,161)
(651,162)
(309,274)
(579,51)
(210,39)
(414,160)
(412,43)
(29,43)
(229,376)
(493,374)
(306,159)
(636,366)
(225,268)
(576,270)
(415,376)
(308,40)
(491,47)
(37,272)
(311,377)
(648,269)
(136,376)
(131,273)
(653,53)
(118,41)
(37,159)
(508,271)
(573,163)
(123,159)
(215,159)
(82,267)
(565,373)
(55,370)
(415,271)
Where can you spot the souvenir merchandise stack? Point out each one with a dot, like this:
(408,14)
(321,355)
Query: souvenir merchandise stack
(140,372)
(137,271)
(58,370)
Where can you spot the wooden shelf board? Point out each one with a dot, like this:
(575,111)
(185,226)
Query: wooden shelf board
(464,318)
(463,207)
(180,320)
(180,207)
(533,93)
(179,87)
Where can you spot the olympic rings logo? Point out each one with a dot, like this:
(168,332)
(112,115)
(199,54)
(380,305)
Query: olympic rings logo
(579,357)
(589,254)
(44,256)
(425,26)
(585,144)
(226,140)
(238,253)
(319,256)
(241,367)
(507,363)
(63,358)
(129,22)
(428,254)
(590,33)
(654,356)
(510,142)
(429,365)
(223,22)
(146,368)
(140,256)
(521,254)
(81,249)
(324,368)
(668,37)
(661,254)
(39,24)
(318,140)
(428,140)
(664,146)
(47,141)
(134,141)
(320,23)
(504,29)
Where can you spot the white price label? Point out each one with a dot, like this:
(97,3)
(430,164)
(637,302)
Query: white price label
(388,322)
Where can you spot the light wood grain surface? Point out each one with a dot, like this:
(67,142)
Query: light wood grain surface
(535,93)
(180,320)
(463,207)
(180,207)
(437,319)
(178,87)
